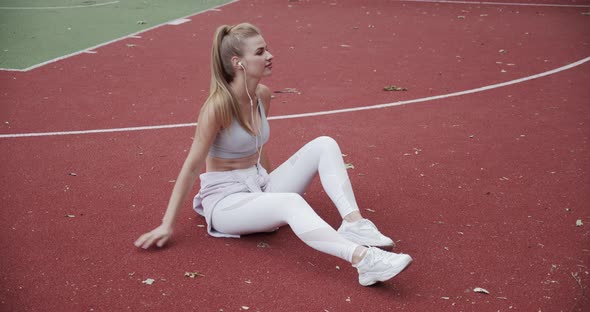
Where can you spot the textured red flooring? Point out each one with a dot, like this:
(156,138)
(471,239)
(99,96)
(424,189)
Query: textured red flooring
(483,190)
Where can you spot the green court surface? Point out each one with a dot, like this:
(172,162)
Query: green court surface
(36,31)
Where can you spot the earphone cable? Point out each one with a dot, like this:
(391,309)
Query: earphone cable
(252,115)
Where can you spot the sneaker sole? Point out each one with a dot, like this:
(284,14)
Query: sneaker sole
(390,274)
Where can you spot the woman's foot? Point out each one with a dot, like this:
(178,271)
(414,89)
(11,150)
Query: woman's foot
(378,266)
(365,233)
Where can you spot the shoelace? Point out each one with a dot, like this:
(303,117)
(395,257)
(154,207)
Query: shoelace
(379,255)
(367,225)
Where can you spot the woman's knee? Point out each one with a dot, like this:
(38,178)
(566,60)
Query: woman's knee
(325,140)
(327,143)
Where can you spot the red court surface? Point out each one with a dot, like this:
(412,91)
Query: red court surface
(483,189)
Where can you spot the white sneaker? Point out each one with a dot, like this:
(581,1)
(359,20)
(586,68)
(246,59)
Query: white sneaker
(364,232)
(379,266)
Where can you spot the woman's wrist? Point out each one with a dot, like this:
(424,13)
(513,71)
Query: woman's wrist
(166,222)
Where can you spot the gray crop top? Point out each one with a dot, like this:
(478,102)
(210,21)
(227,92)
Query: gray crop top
(235,142)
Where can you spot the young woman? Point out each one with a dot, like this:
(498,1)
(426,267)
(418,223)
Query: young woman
(238,196)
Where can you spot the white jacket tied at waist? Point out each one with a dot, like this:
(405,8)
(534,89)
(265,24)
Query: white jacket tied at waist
(217,185)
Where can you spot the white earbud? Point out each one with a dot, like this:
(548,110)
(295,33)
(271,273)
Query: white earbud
(242,65)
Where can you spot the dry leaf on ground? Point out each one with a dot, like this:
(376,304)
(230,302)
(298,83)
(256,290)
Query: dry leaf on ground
(394,88)
(287,90)
(149,281)
(193,274)
(263,245)
(481,290)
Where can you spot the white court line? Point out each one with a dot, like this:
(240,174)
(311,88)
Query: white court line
(502,3)
(330,112)
(216,8)
(179,21)
(59,7)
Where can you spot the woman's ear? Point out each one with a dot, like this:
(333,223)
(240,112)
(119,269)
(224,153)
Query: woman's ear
(236,62)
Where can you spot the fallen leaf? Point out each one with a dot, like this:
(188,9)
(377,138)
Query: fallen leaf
(70,216)
(245,308)
(347,299)
(337,267)
(461,17)
(263,245)
(394,88)
(445,298)
(481,290)
(369,210)
(349,166)
(345,46)
(131,45)
(193,274)
(149,281)
(502,51)
(287,90)
(579,222)
(141,22)
(73,174)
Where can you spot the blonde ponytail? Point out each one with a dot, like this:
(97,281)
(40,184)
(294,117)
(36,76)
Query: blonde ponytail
(226,44)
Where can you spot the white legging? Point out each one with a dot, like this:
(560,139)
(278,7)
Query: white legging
(246,213)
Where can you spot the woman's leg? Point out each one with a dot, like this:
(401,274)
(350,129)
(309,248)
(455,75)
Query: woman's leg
(323,156)
(246,213)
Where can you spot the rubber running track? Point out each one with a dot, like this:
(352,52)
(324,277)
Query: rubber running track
(483,190)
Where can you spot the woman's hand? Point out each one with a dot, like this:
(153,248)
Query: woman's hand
(159,235)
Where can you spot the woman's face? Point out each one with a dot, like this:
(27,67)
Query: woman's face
(256,58)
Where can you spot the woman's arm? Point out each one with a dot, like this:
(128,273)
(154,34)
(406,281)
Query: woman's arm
(207,128)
